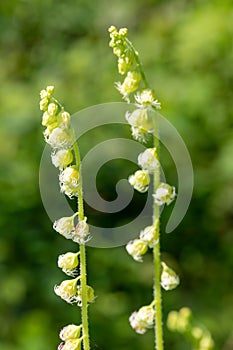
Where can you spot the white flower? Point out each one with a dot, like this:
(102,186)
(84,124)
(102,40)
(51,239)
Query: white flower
(142,319)
(70,332)
(140,180)
(169,279)
(136,249)
(69,181)
(140,119)
(150,235)
(81,233)
(58,138)
(90,295)
(62,158)
(68,263)
(146,97)
(71,344)
(139,134)
(130,84)
(148,160)
(65,225)
(67,290)
(164,194)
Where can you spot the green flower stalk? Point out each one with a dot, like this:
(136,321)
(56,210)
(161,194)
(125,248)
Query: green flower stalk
(143,123)
(66,157)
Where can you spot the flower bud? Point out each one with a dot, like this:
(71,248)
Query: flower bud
(172,320)
(81,232)
(148,160)
(63,120)
(65,226)
(52,108)
(68,262)
(136,249)
(48,119)
(130,84)
(146,98)
(58,138)
(169,279)
(164,194)
(50,90)
(90,295)
(206,342)
(62,158)
(44,104)
(140,180)
(140,118)
(197,332)
(72,344)
(67,290)
(69,181)
(150,235)
(70,332)
(142,319)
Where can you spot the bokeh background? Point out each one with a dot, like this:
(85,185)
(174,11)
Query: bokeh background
(187,50)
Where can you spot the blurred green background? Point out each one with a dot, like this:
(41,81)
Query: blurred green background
(187,50)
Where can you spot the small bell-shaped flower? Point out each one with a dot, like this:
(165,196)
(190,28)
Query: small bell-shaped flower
(169,279)
(58,138)
(81,233)
(48,119)
(130,84)
(71,344)
(141,119)
(52,108)
(68,263)
(63,120)
(142,319)
(69,181)
(148,160)
(164,194)
(65,225)
(67,290)
(140,180)
(136,249)
(90,295)
(70,332)
(62,158)
(150,235)
(146,98)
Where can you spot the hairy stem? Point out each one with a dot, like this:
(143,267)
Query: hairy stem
(156,255)
(83,270)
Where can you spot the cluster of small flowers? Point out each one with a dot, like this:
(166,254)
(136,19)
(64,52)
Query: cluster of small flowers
(59,136)
(141,119)
(68,290)
(143,319)
(126,61)
(78,233)
(70,336)
(182,322)
(147,239)
(71,292)
(148,161)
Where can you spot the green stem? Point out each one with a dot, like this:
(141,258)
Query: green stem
(156,256)
(139,63)
(83,270)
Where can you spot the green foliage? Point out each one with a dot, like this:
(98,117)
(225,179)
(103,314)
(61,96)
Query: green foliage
(186,47)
